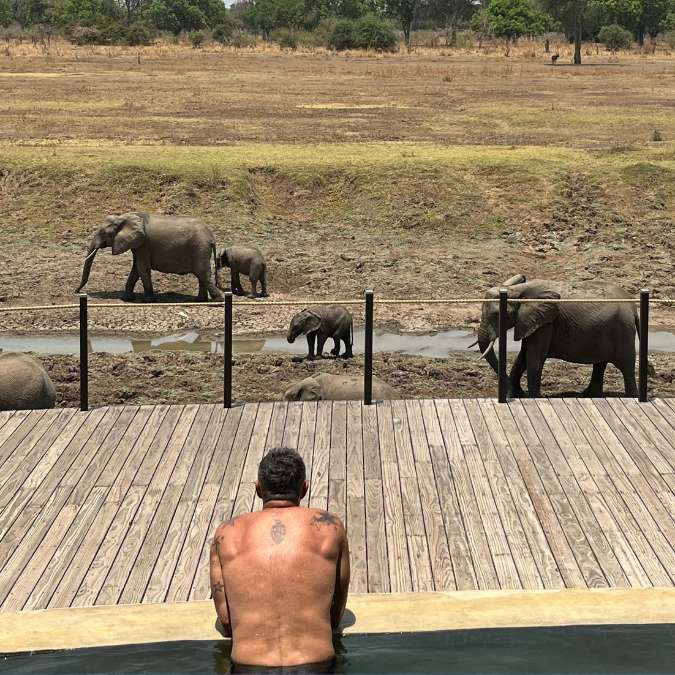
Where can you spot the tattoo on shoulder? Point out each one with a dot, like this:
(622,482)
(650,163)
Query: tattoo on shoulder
(278,532)
(231,521)
(325,518)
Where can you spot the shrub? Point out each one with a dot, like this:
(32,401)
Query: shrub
(241,38)
(137,34)
(222,33)
(615,37)
(196,38)
(372,32)
(342,36)
(6,13)
(84,35)
(670,38)
(285,37)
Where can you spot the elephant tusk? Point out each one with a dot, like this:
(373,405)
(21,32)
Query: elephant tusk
(91,255)
(473,344)
(489,348)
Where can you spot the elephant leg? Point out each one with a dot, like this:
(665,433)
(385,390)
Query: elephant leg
(596,385)
(517,373)
(346,338)
(627,369)
(537,350)
(132,279)
(263,286)
(210,289)
(311,337)
(336,347)
(237,288)
(202,295)
(320,342)
(254,287)
(146,279)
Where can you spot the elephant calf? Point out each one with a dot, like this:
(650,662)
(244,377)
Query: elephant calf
(328,387)
(248,261)
(24,383)
(321,322)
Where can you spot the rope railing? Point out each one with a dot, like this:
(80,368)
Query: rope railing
(368,300)
(304,303)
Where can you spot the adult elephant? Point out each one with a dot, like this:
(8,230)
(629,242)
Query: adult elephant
(329,387)
(24,383)
(592,333)
(173,244)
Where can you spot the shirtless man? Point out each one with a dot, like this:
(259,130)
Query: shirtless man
(279,576)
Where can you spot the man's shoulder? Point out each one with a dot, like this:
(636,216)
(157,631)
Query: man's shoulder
(233,523)
(325,520)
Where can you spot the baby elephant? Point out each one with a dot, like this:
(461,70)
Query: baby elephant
(24,383)
(321,322)
(248,261)
(327,387)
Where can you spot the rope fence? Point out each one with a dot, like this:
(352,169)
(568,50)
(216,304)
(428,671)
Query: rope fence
(368,300)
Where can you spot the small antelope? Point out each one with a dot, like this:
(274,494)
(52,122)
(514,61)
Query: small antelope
(554,58)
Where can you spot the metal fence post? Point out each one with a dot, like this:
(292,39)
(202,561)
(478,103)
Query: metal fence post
(368,358)
(644,345)
(84,354)
(503,383)
(227,352)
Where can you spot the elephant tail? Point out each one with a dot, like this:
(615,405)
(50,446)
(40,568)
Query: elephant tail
(216,266)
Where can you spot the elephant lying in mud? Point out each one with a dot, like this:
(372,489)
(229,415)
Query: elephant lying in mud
(591,333)
(24,383)
(171,244)
(321,322)
(248,261)
(328,387)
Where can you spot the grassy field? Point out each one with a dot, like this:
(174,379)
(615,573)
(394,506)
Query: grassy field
(429,175)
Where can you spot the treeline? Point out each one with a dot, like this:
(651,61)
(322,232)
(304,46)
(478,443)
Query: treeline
(340,24)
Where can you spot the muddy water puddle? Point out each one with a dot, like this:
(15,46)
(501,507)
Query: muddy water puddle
(436,345)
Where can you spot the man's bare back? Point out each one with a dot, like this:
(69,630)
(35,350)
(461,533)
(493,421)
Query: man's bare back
(279,582)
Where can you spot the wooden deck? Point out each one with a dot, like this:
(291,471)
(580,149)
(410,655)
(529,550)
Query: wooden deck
(436,495)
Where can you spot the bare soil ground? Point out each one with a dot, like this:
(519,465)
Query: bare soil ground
(171,377)
(429,175)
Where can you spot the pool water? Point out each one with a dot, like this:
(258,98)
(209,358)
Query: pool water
(590,650)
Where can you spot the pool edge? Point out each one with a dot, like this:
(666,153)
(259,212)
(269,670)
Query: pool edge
(100,626)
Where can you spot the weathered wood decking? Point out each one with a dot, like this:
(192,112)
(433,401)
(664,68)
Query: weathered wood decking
(118,505)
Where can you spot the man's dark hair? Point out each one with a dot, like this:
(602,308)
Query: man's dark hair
(281,474)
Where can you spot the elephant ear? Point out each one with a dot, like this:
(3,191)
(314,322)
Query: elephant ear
(531,316)
(310,321)
(310,390)
(130,235)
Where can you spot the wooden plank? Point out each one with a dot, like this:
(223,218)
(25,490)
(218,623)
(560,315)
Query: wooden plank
(67,550)
(292,427)
(542,502)
(337,461)
(469,418)
(11,425)
(400,580)
(437,542)
(376,538)
(614,533)
(467,574)
(670,479)
(306,441)
(108,547)
(193,547)
(31,451)
(356,500)
(371,445)
(22,552)
(659,432)
(418,547)
(468,506)
(593,532)
(265,432)
(532,527)
(666,411)
(318,485)
(630,414)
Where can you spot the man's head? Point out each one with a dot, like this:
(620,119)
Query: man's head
(281,476)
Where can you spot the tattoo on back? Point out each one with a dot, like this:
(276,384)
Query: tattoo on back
(278,532)
(217,588)
(325,518)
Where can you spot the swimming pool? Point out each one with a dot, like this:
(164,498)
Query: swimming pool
(591,650)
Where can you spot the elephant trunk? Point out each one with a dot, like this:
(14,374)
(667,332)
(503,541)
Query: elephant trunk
(88,262)
(486,343)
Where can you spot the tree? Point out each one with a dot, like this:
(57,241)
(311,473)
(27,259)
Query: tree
(175,16)
(6,13)
(404,11)
(574,16)
(615,37)
(511,19)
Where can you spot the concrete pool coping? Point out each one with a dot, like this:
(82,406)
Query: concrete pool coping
(79,627)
